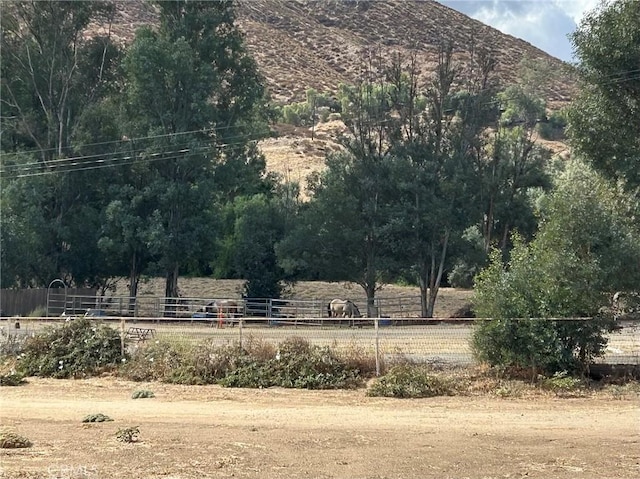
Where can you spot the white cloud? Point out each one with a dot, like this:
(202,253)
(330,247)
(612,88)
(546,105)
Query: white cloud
(543,23)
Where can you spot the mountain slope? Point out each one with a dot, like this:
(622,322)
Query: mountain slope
(302,44)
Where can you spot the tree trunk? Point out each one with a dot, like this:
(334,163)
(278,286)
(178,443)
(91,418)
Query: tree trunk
(171,291)
(134,278)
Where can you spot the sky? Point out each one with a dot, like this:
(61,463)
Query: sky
(545,24)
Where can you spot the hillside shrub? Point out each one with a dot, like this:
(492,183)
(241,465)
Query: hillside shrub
(78,348)
(411,381)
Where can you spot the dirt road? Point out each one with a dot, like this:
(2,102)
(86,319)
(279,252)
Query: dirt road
(189,432)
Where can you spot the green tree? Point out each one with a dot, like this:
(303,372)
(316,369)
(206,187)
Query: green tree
(259,225)
(51,74)
(604,119)
(581,254)
(195,99)
(433,194)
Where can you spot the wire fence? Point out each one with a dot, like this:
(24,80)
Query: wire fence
(444,341)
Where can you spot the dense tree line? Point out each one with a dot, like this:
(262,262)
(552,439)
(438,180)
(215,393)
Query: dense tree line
(124,161)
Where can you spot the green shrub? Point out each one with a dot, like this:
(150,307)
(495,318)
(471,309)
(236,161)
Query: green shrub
(142,394)
(554,128)
(155,361)
(562,383)
(523,298)
(411,381)
(79,348)
(179,363)
(96,418)
(296,364)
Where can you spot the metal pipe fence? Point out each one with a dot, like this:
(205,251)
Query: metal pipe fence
(184,307)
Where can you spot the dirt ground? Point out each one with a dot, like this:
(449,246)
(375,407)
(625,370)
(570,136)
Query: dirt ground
(189,432)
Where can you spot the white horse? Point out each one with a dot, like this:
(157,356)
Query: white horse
(343,308)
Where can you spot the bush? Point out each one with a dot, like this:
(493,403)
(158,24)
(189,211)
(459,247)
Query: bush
(128,434)
(411,381)
(142,394)
(554,127)
(39,312)
(524,297)
(11,344)
(11,440)
(96,418)
(154,361)
(79,348)
(297,364)
(12,379)
(562,384)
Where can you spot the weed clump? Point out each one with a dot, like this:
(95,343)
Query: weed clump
(77,349)
(11,440)
(97,418)
(562,384)
(142,394)
(128,434)
(411,381)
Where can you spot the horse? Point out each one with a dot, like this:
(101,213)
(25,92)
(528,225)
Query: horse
(224,309)
(343,308)
(626,305)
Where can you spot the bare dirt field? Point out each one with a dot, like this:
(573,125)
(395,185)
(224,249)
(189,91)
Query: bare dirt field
(190,432)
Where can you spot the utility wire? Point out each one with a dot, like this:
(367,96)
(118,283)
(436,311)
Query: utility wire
(113,162)
(129,140)
(64,164)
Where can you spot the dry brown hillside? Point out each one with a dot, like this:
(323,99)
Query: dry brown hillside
(302,44)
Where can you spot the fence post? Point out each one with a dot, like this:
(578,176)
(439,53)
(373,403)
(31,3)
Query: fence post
(122,334)
(240,331)
(376,320)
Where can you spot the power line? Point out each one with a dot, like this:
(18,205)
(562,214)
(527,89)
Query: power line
(110,163)
(128,140)
(103,160)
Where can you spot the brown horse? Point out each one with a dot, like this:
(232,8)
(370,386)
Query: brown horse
(225,309)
